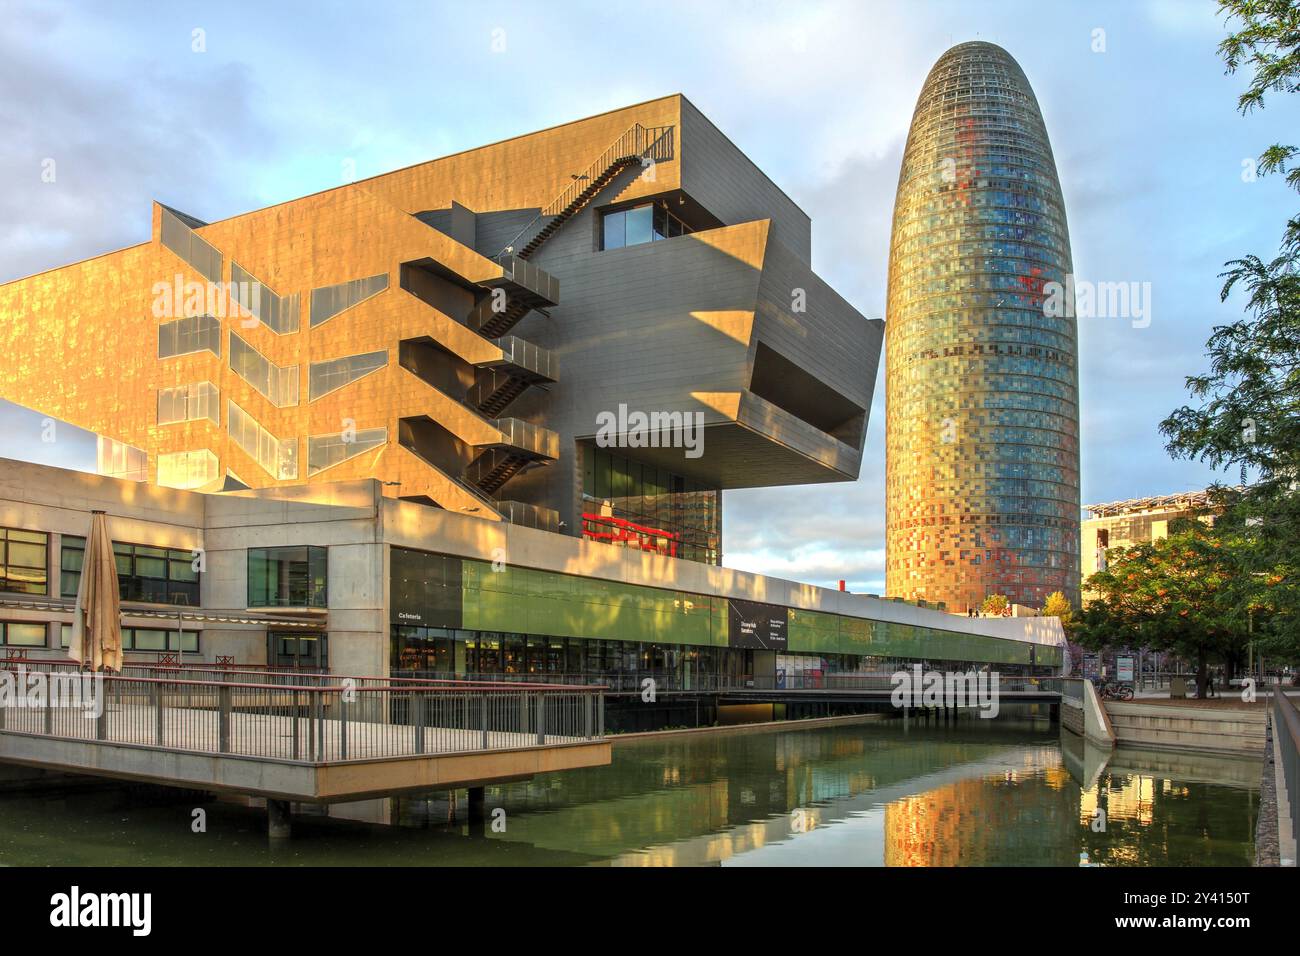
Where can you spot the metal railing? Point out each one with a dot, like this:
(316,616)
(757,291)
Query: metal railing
(346,719)
(638,143)
(532,358)
(534,439)
(1286,731)
(612,681)
(634,681)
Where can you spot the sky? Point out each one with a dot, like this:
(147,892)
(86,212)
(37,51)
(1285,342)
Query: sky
(219,108)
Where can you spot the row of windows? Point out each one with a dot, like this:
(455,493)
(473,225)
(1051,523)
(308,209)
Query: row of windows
(277,577)
(144,572)
(146,639)
(646,223)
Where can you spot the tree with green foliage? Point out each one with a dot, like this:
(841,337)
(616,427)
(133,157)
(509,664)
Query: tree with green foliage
(1245,411)
(1186,593)
(995,604)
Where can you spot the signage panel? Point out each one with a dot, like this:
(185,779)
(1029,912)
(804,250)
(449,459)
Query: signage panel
(757,626)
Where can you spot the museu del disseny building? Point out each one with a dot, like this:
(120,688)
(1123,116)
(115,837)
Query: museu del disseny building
(470,417)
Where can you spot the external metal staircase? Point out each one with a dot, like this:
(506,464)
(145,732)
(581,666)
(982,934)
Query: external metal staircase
(522,445)
(521,288)
(522,366)
(639,144)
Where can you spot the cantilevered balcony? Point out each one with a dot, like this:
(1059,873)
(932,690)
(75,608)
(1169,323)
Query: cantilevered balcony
(526,287)
(521,445)
(500,382)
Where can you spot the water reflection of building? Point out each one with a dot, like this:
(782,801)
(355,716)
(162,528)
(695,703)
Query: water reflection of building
(978,820)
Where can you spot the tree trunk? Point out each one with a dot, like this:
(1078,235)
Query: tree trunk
(1202,673)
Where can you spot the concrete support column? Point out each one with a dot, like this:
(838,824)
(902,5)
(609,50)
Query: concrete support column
(477,804)
(278,819)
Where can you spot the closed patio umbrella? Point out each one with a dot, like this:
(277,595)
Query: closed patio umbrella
(97,628)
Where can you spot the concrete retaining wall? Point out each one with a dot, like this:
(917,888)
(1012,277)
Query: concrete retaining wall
(1209,730)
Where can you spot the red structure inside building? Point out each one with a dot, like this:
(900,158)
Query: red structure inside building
(620,531)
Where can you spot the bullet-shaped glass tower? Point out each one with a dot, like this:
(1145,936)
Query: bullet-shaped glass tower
(982,413)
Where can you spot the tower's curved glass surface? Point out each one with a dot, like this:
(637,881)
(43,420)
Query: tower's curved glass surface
(982,417)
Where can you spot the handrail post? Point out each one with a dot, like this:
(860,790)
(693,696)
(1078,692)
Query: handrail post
(316,723)
(541,718)
(223,718)
(296,716)
(343,727)
(600,713)
(483,717)
(589,703)
(101,723)
(158,714)
(417,701)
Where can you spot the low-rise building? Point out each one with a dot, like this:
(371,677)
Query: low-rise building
(343,577)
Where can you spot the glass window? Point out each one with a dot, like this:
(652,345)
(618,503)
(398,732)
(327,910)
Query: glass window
(639,227)
(187,469)
(287,577)
(182,240)
(326,451)
(280,385)
(22,635)
(329,301)
(183,336)
(325,377)
(144,573)
(22,561)
(279,314)
(614,225)
(646,223)
(187,403)
(119,460)
(278,457)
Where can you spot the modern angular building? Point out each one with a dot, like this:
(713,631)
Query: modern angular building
(470,417)
(456,330)
(982,410)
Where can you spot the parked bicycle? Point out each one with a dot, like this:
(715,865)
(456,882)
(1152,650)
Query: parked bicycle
(1116,691)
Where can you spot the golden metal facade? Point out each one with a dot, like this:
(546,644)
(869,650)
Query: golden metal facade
(81,342)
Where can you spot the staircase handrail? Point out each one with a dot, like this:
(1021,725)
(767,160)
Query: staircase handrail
(637,142)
